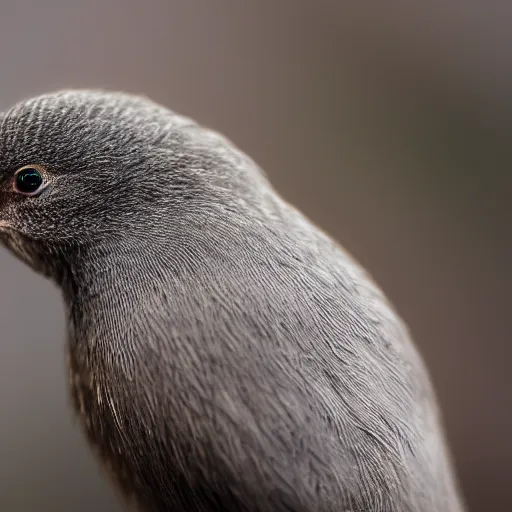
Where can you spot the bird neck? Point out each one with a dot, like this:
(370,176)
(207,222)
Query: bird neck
(106,291)
(103,268)
(122,280)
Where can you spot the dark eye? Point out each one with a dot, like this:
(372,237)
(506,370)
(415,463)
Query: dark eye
(28,180)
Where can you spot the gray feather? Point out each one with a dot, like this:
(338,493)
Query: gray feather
(224,353)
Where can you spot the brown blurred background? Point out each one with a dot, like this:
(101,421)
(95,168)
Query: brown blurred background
(389,125)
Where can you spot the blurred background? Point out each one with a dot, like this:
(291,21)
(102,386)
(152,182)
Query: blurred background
(389,124)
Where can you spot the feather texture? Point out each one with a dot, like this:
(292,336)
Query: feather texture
(224,353)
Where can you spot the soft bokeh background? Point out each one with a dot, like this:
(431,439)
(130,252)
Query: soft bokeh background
(389,124)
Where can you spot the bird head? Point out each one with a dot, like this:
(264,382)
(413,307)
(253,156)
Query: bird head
(82,168)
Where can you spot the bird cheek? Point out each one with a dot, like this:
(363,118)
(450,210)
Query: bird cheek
(4,217)
(7,219)
(4,225)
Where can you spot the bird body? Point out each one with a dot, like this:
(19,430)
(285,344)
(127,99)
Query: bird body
(224,353)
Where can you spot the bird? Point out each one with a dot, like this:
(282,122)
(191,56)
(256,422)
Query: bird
(224,353)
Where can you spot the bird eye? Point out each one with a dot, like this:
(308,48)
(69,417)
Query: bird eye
(28,180)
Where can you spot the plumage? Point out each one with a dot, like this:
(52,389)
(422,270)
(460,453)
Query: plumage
(224,353)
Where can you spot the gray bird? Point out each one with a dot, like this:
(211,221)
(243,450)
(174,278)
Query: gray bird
(224,353)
